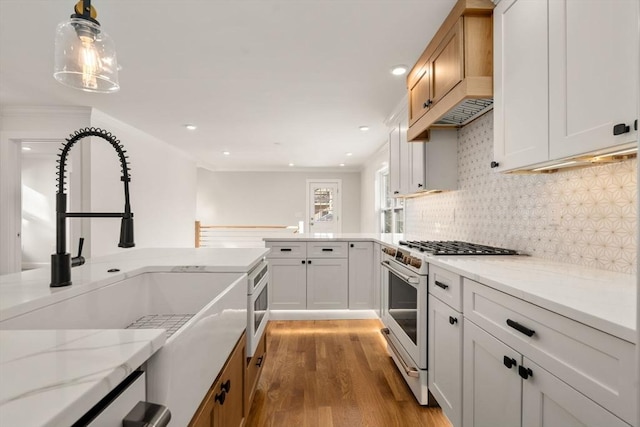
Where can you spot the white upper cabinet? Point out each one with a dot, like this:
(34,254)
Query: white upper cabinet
(565,74)
(521,103)
(593,74)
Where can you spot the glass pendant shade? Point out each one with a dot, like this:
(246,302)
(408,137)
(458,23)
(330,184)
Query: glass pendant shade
(85,57)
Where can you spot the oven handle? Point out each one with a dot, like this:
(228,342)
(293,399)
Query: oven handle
(409,370)
(409,279)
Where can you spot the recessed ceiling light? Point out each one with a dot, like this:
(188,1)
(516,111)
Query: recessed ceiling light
(191,127)
(349,154)
(291,165)
(26,148)
(364,128)
(398,70)
(341,164)
(226,153)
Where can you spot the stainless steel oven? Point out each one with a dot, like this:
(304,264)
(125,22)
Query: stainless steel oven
(405,316)
(257,305)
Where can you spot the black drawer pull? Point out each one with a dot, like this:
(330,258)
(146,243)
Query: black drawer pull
(309,262)
(453,320)
(509,362)
(525,372)
(620,128)
(285,249)
(441,285)
(226,386)
(260,360)
(303,261)
(327,250)
(220,397)
(518,327)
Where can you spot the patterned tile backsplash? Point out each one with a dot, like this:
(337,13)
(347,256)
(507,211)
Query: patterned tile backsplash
(586,216)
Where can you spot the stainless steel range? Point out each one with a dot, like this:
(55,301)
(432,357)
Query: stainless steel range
(405,298)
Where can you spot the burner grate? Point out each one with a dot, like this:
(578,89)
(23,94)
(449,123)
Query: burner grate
(456,247)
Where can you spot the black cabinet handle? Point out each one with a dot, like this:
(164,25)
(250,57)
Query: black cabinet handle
(303,261)
(352,245)
(520,328)
(226,386)
(220,397)
(327,250)
(419,185)
(260,360)
(441,285)
(453,320)
(427,103)
(285,249)
(635,125)
(396,192)
(494,165)
(525,372)
(309,262)
(620,128)
(509,362)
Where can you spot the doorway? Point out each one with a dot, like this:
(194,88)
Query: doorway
(324,205)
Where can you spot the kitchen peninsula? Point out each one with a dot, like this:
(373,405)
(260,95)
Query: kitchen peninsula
(51,376)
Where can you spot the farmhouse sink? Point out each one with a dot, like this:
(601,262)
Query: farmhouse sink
(209,313)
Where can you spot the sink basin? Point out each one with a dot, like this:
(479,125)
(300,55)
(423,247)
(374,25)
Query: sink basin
(213,310)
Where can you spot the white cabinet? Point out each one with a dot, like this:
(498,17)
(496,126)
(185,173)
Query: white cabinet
(327,283)
(521,100)
(560,86)
(445,358)
(593,364)
(492,389)
(361,275)
(288,283)
(593,75)
(416,167)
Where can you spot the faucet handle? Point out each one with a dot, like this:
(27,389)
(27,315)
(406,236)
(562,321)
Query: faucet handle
(79,259)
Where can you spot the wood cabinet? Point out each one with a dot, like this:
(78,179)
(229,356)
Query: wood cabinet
(547,106)
(456,66)
(254,368)
(224,404)
(361,276)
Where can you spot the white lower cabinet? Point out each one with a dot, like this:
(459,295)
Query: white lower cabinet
(361,275)
(445,358)
(288,284)
(327,283)
(492,389)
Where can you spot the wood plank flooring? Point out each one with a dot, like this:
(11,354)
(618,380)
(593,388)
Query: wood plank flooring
(334,373)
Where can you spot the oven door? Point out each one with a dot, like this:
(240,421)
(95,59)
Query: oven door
(257,314)
(405,310)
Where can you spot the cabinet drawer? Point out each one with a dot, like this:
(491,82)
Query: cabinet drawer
(446,286)
(327,250)
(287,249)
(593,362)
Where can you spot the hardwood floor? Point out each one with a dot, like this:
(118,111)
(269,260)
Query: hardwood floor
(334,373)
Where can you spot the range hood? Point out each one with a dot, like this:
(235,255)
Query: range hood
(465,112)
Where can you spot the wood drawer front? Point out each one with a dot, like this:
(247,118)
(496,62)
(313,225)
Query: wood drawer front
(287,249)
(446,286)
(593,362)
(327,250)
(254,369)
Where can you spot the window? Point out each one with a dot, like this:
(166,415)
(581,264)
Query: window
(391,209)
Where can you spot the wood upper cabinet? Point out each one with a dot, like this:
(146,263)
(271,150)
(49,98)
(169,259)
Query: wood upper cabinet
(455,67)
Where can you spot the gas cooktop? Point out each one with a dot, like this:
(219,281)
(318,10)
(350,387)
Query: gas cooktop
(455,247)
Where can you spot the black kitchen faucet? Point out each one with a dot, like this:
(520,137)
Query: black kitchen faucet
(61,261)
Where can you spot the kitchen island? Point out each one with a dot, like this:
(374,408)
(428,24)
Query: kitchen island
(51,377)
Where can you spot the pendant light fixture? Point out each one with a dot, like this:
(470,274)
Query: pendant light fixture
(85,56)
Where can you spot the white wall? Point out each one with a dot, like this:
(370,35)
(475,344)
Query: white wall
(369,218)
(162,187)
(19,124)
(269,198)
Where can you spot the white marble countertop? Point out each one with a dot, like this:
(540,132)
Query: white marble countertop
(603,299)
(53,377)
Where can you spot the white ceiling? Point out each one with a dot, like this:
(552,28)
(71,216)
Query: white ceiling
(272,82)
